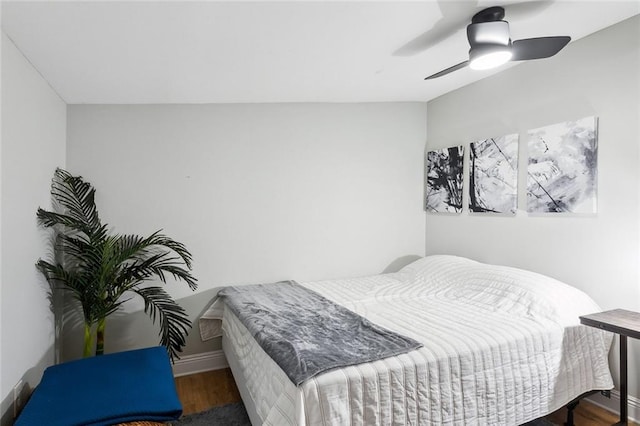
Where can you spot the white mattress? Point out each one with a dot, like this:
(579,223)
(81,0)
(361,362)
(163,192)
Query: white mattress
(501,347)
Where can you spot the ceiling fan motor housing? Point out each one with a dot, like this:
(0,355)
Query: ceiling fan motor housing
(489,33)
(489,39)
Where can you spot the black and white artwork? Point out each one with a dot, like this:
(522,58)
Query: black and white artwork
(444,180)
(493,175)
(562,170)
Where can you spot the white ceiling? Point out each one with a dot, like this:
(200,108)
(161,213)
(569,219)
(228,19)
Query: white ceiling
(298,51)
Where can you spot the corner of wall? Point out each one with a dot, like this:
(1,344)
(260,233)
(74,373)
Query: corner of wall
(28,156)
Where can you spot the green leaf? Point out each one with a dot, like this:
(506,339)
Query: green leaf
(172,318)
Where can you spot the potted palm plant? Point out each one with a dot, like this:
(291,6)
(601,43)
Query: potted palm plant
(101,269)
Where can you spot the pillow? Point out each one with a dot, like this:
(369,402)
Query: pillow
(499,288)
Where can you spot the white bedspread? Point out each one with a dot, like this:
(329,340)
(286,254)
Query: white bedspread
(502,347)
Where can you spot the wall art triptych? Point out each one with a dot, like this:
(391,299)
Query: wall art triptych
(561,172)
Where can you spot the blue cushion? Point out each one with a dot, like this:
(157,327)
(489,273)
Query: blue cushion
(104,390)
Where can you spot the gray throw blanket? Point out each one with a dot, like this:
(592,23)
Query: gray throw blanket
(305,333)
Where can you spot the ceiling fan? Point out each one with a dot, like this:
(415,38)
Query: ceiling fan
(491,44)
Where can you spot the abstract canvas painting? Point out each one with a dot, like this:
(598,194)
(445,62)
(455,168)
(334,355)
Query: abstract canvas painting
(493,175)
(444,180)
(562,169)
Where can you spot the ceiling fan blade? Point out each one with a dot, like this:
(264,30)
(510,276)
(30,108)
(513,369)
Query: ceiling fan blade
(440,32)
(454,17)
(526,9)
(448,70)
(538,48)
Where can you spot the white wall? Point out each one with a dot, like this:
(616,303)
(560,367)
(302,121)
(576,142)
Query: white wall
(1,72)
(33,144)
(258,192)
(598,75)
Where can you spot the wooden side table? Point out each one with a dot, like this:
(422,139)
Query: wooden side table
(625,324)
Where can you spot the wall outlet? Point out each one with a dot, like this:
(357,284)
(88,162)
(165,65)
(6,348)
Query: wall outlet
(17,397)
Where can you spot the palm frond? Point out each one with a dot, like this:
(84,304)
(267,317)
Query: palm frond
(132,245)
(76,196)
(60,278)
(142,258)
(158,239)
(77,252)
(51,219)
(173,320)
(160,265)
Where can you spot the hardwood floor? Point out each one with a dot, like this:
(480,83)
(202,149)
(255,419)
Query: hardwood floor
(199,392)
(586,414)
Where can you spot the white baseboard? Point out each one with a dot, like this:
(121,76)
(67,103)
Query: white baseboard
(197,363)
(613,404)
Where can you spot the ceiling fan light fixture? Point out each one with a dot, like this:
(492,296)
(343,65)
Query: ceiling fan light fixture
(484,58)
(491,45)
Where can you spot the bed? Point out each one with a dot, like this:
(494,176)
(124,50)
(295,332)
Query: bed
(501,346)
